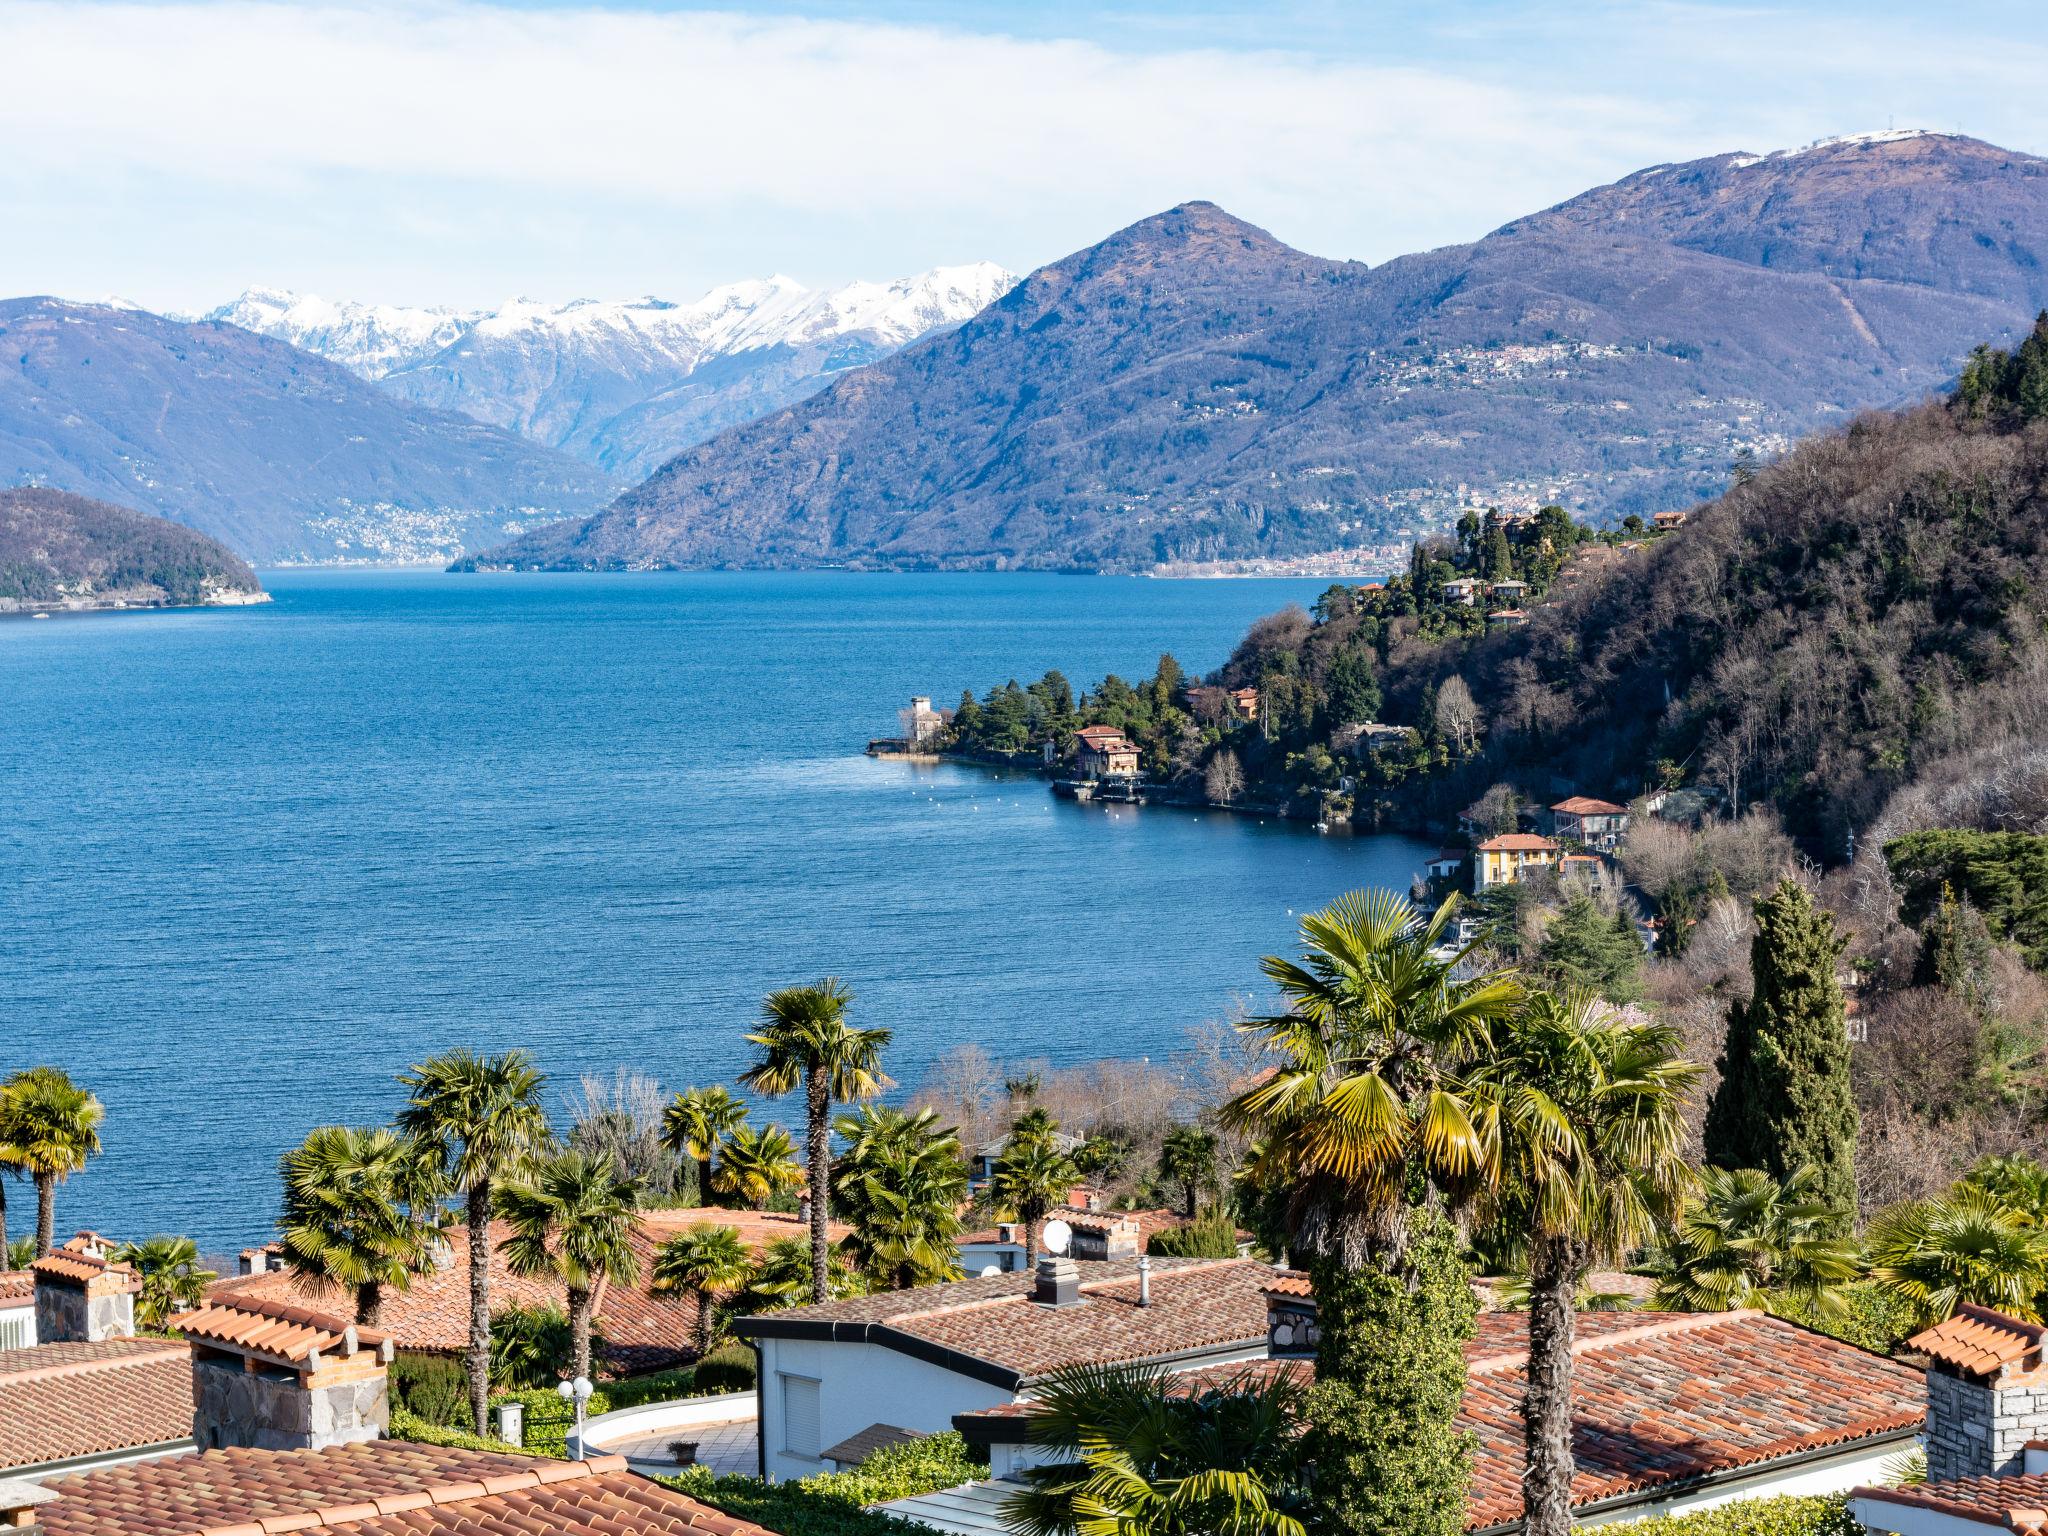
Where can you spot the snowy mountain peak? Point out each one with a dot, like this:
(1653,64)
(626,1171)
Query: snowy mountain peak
(368,339)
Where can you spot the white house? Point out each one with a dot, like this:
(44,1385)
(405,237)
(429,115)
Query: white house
(17,1309)
(917,1359)
(1672,1412)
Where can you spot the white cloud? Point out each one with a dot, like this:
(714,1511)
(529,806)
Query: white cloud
(415,134)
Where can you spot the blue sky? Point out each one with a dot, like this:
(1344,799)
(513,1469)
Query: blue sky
(462,153)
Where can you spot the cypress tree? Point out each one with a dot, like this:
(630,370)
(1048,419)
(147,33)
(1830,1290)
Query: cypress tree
(1785,1100)
(1390,1375)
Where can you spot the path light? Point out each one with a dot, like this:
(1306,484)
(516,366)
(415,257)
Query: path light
(578,1392)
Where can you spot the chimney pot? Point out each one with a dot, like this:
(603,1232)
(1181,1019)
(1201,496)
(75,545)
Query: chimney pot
(1144,1279)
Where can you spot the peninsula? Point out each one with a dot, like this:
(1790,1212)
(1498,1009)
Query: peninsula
(65,553)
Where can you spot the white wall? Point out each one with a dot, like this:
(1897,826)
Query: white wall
(18,1325)
(859,1385)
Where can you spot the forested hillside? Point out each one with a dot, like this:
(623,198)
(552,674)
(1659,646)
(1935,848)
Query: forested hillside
(64,551)
(1871,603)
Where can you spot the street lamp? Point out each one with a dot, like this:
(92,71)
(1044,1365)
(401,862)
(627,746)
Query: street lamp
(578,1392)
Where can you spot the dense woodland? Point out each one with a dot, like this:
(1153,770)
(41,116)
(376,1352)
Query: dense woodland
(53,544)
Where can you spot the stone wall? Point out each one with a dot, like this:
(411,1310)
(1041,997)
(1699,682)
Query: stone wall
(67,1314)
(274,1411)
(1974,1429)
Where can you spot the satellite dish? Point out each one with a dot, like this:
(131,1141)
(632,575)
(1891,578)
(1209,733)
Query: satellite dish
(990,1269)
(1057,1235)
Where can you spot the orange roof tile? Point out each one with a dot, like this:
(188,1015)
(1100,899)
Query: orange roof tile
(378,1488)
(1658,1399)
(59,1401)
(1518,842)
(277,1330)
(81,1267)
(1980,1341)
(2011,1501)
(16,1286)
(1586,805)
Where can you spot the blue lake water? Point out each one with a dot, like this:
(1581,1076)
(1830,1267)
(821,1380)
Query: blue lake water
(254,862)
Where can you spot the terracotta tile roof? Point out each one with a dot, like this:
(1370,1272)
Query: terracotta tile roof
(1980,1341)
(381,1488)
(77,1265)
(1289,1282)
(1517,842)
(59,1401)
(757,1229)
(1659,1398)
(1197,1304)
(1586,805)
(16,1286)
(278,1330)
(643,1329)
(2014,1501)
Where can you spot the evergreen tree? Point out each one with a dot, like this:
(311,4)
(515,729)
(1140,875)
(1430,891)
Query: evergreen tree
(1583,948)
(1381,1418)
(1499,555)
(1955,949)
(1352,689)
(1785,1100)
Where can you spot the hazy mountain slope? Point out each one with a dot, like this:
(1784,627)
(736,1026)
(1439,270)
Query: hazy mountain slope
(1190,389)
(279,454)
(63,551)
(624,386)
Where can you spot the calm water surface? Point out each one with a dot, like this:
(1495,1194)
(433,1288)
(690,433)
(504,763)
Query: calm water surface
(253,862)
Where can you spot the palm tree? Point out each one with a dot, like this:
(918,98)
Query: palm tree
(708,1262)
(11,1167)
(574,1222)
(1031,1177)
(781,1277)
(530,1347)
(1586,1108)
(1363,1113)
(2017,1182)
(805,1040)
(51,1126)
(171,1277)
(695,1123)
(900,1183)
(482,1116)
(1748,1240)
(361,1211)
(754,1166)
(1145,1456)
(1188,1158)
(1968,1246)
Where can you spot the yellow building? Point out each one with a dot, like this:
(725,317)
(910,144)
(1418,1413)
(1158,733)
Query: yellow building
(1501,860)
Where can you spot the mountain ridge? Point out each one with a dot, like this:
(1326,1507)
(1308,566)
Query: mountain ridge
(624,384)
(71,553)
(280,455)
(1190,389)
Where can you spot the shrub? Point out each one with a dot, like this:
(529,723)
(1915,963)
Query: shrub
(549,1419)
(1212,1235)
(408,1426)
(1878,1318)
(831,1504)
(432,1388)
(729,1368)
(1783,1516)
(531,1347)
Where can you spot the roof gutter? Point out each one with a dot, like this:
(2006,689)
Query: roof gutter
(37,1471)
(1734,1480)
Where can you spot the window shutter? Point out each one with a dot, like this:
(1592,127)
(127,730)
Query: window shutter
(800,1416)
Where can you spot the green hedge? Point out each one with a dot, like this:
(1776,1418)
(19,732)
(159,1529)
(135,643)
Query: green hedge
(1877,1319)
(1783,1516)
(410,1426)
(831,1504)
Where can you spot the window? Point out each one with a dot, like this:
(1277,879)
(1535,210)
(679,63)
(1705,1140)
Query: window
(800,1416)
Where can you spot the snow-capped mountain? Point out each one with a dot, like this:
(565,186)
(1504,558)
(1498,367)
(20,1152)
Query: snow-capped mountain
(369,339)
(626,384)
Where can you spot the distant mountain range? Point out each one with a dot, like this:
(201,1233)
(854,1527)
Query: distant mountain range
(1191,390)
(280,455)
(625,386)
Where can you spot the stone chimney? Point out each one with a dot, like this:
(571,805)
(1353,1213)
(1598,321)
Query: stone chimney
(82,1297)
(270,1376)
(1291,1331)
(1987,1392)
(1058,1282)
(260,1261)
